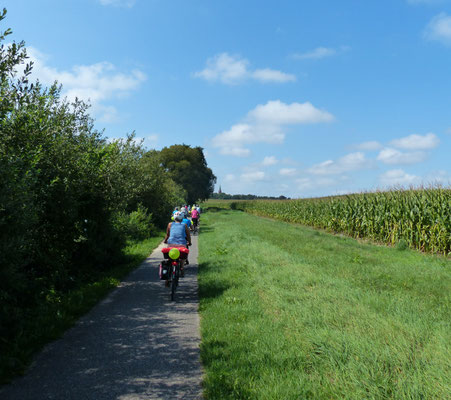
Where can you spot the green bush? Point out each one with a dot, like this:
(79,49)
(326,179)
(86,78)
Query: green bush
(69,198)
(136,225)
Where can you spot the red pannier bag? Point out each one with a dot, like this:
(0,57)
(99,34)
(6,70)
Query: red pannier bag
(183,252)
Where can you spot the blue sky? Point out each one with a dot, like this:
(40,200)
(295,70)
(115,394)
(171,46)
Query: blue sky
(294,98)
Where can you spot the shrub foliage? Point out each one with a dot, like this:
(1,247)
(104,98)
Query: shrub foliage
(69,198)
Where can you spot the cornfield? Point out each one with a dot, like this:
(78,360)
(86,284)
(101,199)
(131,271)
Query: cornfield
(419,217)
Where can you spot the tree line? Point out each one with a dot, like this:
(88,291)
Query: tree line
(226,196)
(69,198)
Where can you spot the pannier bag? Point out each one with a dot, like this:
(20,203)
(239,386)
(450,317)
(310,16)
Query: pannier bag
(183,252)
(164,269)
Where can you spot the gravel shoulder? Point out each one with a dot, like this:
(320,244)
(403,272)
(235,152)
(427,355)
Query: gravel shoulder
(135,344)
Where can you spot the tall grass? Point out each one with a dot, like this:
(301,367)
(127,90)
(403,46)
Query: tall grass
(420,218)
(289,312)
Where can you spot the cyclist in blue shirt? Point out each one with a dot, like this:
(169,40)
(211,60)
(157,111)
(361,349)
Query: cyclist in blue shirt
(178,235)
(187,222)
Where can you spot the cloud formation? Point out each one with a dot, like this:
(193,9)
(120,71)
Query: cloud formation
(350,162)
(265,124)
(319,53)
(416,146)
(396,157)
(269,160)
(398,177)
(97,83)
(232,70)
(439,29)
(368,146)
(287,171)
(417,142)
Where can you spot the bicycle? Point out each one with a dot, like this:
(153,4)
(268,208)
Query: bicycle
(196,227)
(171,266)
(195,230)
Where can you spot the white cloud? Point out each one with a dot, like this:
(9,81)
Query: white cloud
(350,162)
(118,3)
(394,157)
(231,142)
(319,52)
(235,151)
(417,142)
(439,28)
(287,171)
(268,161)
(271,75)
(253,176)
(96,83)
(368,146)
(232,70)
(264,124)
(396,177)
(107,114)
(227,69)
(278,113)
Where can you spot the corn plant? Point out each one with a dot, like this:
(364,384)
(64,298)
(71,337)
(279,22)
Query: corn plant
(419,217)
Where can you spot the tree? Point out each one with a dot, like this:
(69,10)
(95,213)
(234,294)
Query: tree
(69,199)
(188,168)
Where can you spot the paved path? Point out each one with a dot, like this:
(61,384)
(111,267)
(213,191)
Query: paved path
(135,344)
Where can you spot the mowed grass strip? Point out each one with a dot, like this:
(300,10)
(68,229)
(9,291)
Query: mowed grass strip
(289,312)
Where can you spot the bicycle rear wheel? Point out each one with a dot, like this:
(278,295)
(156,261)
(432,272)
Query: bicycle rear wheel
(174,282)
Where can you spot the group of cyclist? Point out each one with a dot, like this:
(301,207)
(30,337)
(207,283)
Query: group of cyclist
(178,232)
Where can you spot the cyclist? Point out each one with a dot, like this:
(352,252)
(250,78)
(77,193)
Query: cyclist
(183,212)
(187,222)
(194,217)
(178,235)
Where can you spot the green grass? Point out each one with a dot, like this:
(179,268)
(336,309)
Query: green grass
(289,312)
(61,311)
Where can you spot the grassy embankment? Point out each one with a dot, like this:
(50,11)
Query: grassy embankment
(62,310)
(289,312)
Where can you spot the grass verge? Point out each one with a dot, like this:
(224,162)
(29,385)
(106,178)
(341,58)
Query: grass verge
(51,319)
(289,312)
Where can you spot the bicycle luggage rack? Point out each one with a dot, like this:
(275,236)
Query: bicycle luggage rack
(183,252)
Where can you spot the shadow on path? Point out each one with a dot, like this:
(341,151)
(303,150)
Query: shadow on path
(135,344)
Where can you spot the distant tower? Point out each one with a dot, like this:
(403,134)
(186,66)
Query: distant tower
(219,191)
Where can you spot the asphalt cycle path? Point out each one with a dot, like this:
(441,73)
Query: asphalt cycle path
(135,344)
